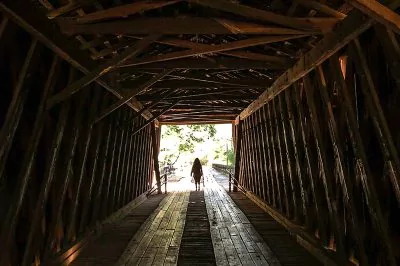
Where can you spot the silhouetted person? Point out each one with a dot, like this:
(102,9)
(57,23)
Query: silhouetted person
(197,172)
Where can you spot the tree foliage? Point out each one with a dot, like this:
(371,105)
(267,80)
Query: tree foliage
(188,136)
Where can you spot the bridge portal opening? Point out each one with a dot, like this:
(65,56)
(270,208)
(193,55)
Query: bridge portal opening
(180,145)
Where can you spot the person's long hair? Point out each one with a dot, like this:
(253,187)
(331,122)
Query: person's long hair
(196,164)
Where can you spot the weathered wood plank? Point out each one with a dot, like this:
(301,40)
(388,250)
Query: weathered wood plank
(374,208)
(101,70)
(346,182)
(92,174)
(321,8)
(16,106)
(350,28)
(131,94)
(6,137)
(327,177)
(123,11)
(56,220)
(260,15)
(380,124)
(51,163)
(173,26)
(287,155)
(40,28)
(379,12)
(71,228)
(310,162)
(213,49)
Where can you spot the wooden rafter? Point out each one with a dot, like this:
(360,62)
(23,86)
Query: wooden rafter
(173,26)
(202,98)
(71,6)
(213,49)
(274,60)
(264,16)
(131,94)
(321,8)
(136,130)
(101,70)
(210,80)
(39,27)
(123,11)
(349,29)
(214,63)
(379,12)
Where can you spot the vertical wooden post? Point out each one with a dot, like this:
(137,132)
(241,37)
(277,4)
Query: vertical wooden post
(116,168)
(289,156)
(277,187)
(7,134)
(388,146)
(71,231)
(72,147)
(111,171)
(87,196)
(118,202)
(50,166)
(281,168)
(270,182)
(128,175)
(326,173)
(372,199)
(16,107)
(155,157)
(134,163)
(299,169)
(253,161)
(345,180)
(246,174)
(259,150)
(311,169)
(238,153)
(263,159)
(106,152)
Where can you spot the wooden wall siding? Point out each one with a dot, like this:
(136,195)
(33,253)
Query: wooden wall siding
(324,152)
(60,173)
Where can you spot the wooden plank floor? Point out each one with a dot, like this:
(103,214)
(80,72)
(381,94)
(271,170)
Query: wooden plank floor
(158,240)
(235,240)
(107,248)
(207,227)
(285,248)
(196,246)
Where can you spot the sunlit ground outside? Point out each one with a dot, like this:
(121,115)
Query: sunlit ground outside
(181,144)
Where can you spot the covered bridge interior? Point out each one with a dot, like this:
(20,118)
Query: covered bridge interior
(312,88)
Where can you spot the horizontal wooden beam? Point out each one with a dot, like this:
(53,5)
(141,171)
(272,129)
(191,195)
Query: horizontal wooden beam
(354,24)
(379,12)
(189,84)
(173,26)
(195,122)
(208,79)
(202,98)
(101,70)
(214,49)
(266,16)
(123,11)
(70,7)
(46,32)
(139,128)
(312,4)
(130,95)
(213,63)
(189,106)
(240,54)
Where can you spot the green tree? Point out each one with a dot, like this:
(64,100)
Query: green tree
(186,137)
